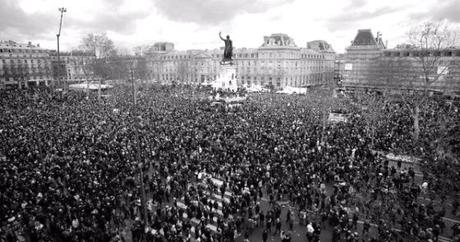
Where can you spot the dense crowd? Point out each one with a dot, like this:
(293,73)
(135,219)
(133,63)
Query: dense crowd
(71,169)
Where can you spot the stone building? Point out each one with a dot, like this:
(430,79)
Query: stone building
(162,47)
(22,65)
(75,65)
(278,62)
(361,60)
(369,65)
(402,68)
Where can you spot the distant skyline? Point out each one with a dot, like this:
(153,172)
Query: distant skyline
(195,24)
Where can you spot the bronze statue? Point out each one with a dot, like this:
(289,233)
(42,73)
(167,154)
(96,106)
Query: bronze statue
(228,48)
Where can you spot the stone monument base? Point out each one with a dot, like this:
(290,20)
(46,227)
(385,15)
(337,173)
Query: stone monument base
(226,80)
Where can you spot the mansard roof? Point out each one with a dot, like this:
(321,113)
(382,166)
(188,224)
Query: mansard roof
(278,40)
(364,37)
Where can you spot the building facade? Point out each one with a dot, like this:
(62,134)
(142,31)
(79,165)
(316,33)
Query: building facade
(403,68)
(278,62)
(368,64)
(360,62)
(75,66)
(188,67)
(22,65)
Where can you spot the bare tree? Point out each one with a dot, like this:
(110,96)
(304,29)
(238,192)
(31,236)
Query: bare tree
(141,50)
(122,51)
(372,108)
(430,41)
(141,68)
(122,68)
(445,130)
(99,44)
(87,68)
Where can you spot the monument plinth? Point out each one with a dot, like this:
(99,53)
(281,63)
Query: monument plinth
(226,80)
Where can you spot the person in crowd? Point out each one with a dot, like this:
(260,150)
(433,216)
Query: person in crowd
(173,168)
(265,235)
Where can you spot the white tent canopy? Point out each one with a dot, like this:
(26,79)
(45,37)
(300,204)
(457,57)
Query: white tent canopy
(89,86)
(293,90)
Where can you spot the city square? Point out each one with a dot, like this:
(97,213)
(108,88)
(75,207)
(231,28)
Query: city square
(279,142)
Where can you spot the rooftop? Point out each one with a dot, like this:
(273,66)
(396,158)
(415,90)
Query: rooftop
(278,40)
(15,45)
(364,37)
(70,53)
(319,45)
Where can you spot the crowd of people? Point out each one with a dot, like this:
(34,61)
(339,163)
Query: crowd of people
(77,168)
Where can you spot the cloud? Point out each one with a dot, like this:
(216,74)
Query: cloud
(363,15)
(350,18)
(354,4)
(38,20)
(14,19)
(123,23)
(210,12)
(449,10)
(113,3)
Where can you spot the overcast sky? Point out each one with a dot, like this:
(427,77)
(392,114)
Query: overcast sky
(194,24)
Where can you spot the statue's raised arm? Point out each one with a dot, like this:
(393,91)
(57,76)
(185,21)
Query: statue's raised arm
(228,47)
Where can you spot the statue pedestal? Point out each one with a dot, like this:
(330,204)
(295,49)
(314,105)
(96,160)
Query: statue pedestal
(226,80)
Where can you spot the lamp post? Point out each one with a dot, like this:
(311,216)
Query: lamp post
(62,10)
(139,158)
(133,84)
(141,173)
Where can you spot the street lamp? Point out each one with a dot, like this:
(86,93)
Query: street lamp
(139,126)
(62,10)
